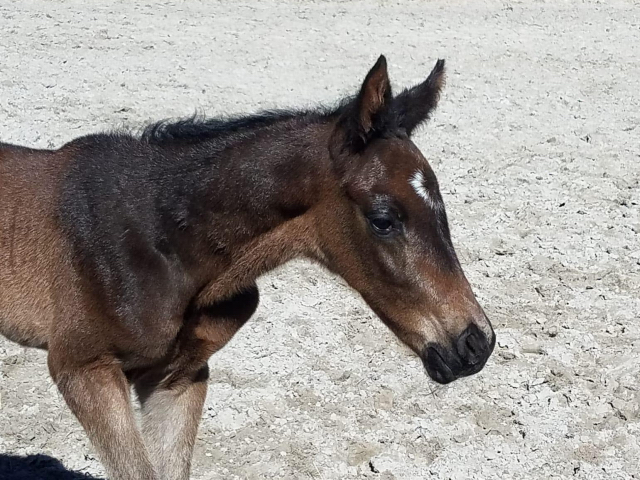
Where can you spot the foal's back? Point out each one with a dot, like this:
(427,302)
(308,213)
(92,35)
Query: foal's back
(30,243)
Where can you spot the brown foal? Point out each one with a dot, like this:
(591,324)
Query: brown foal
(133,258)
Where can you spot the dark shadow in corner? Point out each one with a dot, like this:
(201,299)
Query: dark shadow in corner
(37,467)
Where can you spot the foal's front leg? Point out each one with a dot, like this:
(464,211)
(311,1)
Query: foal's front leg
(172,398)
(98,395)
(171,411)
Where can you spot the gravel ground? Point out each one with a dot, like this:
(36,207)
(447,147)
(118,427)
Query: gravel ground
(536,146)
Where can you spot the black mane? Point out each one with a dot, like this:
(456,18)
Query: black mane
(198,127)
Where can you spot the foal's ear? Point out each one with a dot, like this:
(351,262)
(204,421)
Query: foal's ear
(365,114)
(415,105)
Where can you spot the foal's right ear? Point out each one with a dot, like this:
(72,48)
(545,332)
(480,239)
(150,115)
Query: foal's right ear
(364,116)
(415,105)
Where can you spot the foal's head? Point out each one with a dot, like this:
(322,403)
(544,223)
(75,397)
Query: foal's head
(392,241)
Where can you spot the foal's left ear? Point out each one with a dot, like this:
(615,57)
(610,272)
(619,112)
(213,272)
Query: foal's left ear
(415,105)
(366,112)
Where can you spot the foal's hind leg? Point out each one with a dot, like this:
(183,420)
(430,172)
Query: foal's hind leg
(172,399)
(98,395)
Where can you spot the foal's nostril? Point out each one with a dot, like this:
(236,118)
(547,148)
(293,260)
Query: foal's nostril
(472,345)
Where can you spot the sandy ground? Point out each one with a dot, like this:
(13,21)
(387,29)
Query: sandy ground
(536,146)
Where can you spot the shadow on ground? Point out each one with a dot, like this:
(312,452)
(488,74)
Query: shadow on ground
(37,467)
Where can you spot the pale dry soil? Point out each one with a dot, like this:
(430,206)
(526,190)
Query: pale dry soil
(536,149)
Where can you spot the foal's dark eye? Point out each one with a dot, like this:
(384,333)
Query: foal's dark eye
(381,225)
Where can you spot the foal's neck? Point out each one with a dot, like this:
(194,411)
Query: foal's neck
(256,202)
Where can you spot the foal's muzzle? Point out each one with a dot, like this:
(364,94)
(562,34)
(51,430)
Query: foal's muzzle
(465,356)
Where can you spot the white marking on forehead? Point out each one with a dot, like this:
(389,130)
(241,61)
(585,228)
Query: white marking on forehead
(417,182)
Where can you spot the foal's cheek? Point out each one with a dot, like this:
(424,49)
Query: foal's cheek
(388,260)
